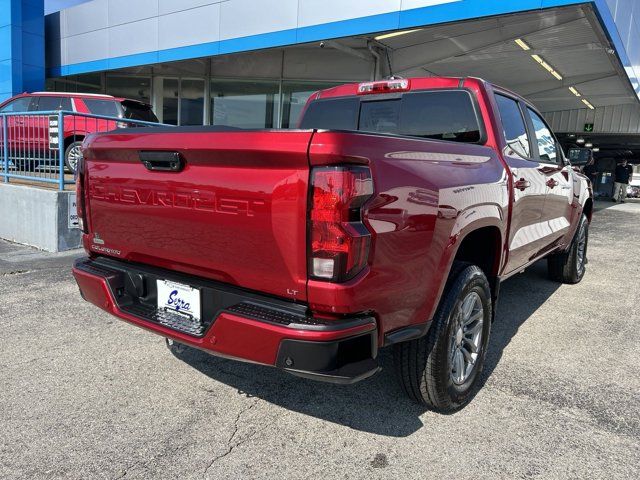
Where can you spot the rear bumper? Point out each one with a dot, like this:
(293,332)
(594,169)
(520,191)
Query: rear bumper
(236,323)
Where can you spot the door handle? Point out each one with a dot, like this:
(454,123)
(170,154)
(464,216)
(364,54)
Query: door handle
(521,184)
(162,161)
(551,183)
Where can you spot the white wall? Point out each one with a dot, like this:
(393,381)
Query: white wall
(611,119)
(104,29)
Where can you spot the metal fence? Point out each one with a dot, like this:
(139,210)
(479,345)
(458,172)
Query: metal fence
(44,147)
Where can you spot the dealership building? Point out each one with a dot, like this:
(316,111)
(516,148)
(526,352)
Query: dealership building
(253,63)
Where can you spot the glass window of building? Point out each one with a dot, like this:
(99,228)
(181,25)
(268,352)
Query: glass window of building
(170,95)
(89,83)
(245,104)
(294,98)
(192,102)
(136,88)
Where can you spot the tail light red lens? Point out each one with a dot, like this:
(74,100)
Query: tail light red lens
(338,239)
(81,191)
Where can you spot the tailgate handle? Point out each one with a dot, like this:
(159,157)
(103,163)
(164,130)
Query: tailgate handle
(162,161)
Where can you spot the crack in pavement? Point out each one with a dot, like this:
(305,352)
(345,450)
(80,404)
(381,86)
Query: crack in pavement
(144,464)
(230,445)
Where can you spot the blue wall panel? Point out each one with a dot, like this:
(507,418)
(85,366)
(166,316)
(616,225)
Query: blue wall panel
(21,46)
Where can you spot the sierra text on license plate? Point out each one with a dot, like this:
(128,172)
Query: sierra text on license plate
(179,298)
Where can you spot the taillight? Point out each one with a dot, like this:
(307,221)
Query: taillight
(80,195)
(338,239)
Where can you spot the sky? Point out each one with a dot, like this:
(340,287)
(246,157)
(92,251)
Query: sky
(55,5)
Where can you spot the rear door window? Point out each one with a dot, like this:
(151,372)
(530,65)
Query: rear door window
(52,103)
(513,126)
(108,108)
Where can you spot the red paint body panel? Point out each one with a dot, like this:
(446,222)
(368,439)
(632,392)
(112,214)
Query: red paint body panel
(418,211)
(238,214)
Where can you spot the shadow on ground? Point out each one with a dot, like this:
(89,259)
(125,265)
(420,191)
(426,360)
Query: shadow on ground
(604,203)
(377,405)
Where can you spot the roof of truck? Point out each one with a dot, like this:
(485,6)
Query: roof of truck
(415,83)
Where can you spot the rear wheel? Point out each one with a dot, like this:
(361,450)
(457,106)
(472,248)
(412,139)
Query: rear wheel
(72,155)
(442,369)
(570,266)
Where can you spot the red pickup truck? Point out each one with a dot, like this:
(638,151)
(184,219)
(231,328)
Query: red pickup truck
(390,217)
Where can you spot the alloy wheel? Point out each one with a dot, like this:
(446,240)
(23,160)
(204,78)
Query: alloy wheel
(466,338)
(73,157)
(582,249)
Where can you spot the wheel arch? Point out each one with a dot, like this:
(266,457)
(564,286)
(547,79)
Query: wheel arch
(482,244)
(69,139)
(482,247)
(587,208)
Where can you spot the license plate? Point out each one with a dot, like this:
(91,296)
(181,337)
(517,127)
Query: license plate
(179,298)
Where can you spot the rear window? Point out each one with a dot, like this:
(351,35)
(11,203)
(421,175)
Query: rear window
(108,108)
(138,111)
(441,115)
(339,114)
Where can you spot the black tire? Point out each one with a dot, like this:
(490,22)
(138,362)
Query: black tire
(71,162)
(570,266)
(425,366)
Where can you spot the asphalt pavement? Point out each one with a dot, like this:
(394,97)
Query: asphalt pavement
(84,395)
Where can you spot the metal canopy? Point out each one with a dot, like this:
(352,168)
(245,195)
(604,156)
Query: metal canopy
(569,39)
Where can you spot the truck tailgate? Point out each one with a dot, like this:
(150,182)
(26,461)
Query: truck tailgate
(235,213)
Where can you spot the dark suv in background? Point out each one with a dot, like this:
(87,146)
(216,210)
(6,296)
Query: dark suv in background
(30,133)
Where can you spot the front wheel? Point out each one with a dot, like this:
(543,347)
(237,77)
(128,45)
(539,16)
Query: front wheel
(442,369)
(72,155)
(570,266)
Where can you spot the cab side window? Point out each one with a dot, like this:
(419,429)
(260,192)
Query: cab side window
(515,132)
(546,142)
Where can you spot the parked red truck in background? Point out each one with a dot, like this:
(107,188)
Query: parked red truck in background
(389,218)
